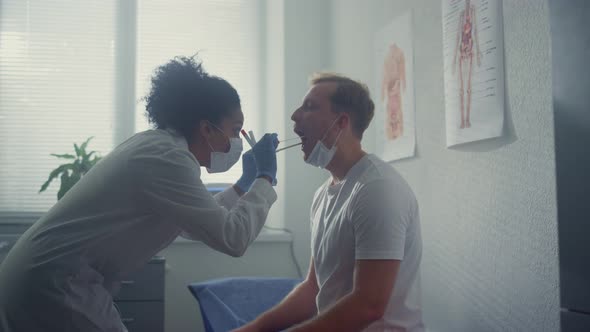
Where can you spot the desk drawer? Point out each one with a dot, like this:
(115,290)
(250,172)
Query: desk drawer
(142,316)
(145,284)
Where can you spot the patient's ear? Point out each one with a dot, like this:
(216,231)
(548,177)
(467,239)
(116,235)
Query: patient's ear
(343,121)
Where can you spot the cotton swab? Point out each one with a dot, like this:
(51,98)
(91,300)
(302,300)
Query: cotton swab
(290,139)
(290,146)
(251,141)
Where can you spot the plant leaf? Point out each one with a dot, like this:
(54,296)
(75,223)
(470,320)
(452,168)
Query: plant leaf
(85,144)
(86,158)
(64,156)
(86,165)
(67,182)
(64,185)
(78,167)
(83,148)
(55,173)
(74,178)
(71,173)
(78,151)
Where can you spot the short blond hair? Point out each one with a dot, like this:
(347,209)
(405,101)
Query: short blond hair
(351,97)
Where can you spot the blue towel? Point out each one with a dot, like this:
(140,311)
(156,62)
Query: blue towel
(229,303)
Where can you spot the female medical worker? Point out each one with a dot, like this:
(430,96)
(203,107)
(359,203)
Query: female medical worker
(61,274)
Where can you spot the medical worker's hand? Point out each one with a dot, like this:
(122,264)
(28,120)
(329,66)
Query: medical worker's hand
(266,156)
(248,171)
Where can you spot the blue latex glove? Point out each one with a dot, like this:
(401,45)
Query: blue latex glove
(248,171)
(266,156)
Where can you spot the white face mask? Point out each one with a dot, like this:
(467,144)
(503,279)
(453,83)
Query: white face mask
(321,156)
(223,161)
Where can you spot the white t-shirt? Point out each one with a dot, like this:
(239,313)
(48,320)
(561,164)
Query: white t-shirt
(371,214)
(131,204)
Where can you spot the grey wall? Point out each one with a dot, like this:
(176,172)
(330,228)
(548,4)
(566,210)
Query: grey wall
(488,208)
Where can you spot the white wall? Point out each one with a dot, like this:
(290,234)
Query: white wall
(488,209)
(297,46)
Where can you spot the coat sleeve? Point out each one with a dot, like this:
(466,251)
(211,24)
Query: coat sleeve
(169,185)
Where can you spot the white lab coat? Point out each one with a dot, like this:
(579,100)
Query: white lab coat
(63,271)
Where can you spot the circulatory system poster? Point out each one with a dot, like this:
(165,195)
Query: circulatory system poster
(473,70)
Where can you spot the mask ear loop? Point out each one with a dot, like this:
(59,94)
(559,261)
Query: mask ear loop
(337,136)
(212,150)
(221,131)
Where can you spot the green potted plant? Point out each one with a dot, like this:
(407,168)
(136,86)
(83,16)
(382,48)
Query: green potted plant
(73,171)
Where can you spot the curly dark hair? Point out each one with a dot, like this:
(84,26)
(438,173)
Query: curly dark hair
(183,94)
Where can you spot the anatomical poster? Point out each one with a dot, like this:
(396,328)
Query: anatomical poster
(394,106)
(473,70)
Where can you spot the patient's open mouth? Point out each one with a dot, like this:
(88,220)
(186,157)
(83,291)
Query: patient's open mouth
(301,135)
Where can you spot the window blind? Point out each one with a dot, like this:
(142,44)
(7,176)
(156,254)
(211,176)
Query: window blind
(56,88)
(224,33)
(57,74)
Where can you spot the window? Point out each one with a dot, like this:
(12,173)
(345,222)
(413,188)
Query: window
(59,73)
(56,83)
(225,35)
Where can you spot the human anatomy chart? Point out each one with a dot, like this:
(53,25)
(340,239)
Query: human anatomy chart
(394,107)
(473,70)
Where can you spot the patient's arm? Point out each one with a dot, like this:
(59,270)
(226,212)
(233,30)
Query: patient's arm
(373,284)
(295,308)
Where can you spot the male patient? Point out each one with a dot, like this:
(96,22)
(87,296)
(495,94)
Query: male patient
(366,243)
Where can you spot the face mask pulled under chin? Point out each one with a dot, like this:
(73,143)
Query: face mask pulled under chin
(321,156)
(223,161)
